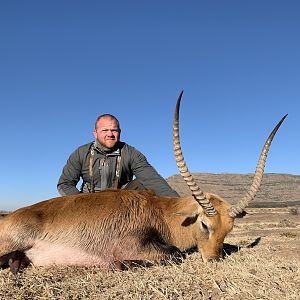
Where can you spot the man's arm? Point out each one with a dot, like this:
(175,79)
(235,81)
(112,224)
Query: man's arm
(148,176)
(70,175)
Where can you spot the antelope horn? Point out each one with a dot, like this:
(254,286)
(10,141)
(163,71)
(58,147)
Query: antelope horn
(197,193)
(240,206)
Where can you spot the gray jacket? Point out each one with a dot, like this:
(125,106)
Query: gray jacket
(133,163)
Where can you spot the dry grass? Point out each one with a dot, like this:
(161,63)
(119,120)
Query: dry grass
(256,273)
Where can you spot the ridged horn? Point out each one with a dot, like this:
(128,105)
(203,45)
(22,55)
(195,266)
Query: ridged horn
(197,193)
(243,203)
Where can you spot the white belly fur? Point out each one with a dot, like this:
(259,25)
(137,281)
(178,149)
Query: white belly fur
(47,254)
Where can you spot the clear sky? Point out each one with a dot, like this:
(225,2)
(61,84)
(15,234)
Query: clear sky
(62,63)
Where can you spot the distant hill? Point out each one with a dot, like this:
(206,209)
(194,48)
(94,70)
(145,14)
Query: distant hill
(3,213)
(277,190)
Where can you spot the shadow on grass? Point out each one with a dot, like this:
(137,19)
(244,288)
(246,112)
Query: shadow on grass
(228,249)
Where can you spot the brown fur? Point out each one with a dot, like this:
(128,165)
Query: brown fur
(113,226)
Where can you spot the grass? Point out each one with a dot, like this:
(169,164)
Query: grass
(294,211)
(246,274)
(288,235)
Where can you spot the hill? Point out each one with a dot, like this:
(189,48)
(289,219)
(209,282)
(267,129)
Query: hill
(277,190)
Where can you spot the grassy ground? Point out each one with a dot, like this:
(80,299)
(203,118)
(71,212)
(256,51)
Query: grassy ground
(248,274)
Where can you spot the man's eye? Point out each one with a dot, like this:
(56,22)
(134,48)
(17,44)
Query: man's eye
(111,130)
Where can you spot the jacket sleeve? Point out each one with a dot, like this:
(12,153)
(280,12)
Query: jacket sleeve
(70,175)
(148,176)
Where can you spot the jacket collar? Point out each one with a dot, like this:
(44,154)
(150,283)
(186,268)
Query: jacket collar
(108,152)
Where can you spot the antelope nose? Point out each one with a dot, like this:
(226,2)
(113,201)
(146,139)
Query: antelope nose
(213,258)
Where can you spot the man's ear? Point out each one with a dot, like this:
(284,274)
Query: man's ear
(95,133)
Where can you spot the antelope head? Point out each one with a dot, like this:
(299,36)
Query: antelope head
(215,216)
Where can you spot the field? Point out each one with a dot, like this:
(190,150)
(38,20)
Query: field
(265,268)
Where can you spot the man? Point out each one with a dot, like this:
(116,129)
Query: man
(108,163)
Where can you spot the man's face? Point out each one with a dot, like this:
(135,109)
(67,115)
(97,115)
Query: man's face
(107,132)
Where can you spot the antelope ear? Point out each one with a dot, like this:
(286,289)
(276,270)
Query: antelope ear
(189,220)
(190,211)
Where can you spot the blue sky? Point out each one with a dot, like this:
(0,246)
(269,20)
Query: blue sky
(62,63)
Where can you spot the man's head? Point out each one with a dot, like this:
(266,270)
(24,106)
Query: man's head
(107,130)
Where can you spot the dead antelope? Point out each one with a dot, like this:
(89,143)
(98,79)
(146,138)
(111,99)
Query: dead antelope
(113,226)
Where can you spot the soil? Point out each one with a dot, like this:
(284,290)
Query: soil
(277,227)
